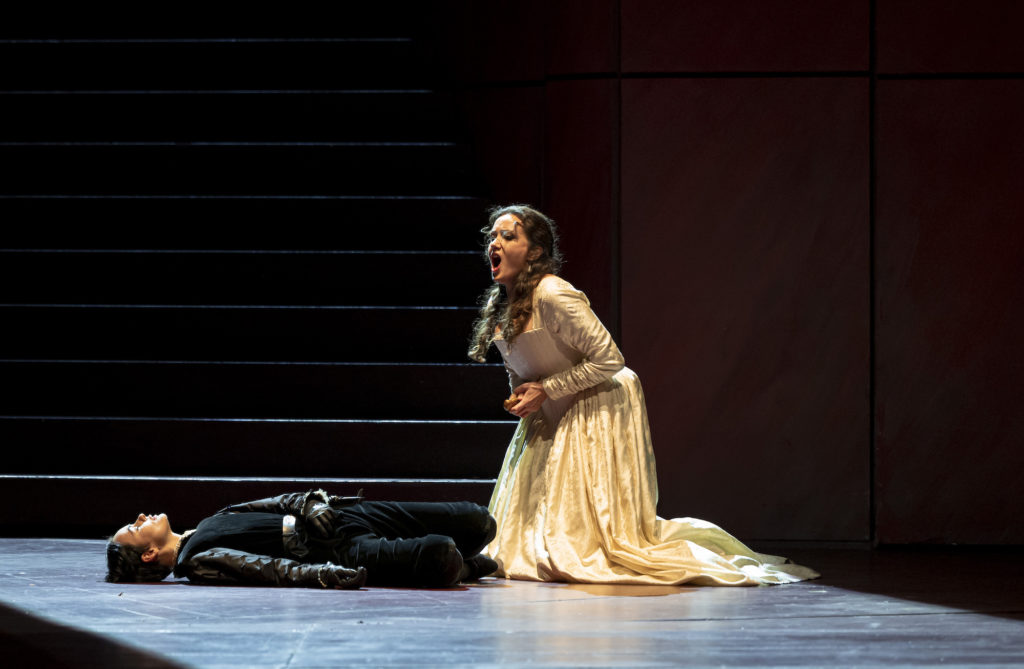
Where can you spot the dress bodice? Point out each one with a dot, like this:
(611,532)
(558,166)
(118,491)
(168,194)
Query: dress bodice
(536,354)
(567,348)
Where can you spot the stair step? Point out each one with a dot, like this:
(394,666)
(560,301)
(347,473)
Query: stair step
(97,506)
(384,18)
(362,391)
(189,117)
(424,223)
(236,169)
(212,64)
(235,245)
(245,278)
(245,448)
(275,334)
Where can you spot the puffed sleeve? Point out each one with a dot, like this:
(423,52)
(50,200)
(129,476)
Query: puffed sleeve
(225,566)
(566,313)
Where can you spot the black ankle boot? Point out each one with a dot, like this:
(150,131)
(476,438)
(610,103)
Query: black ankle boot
(476,567)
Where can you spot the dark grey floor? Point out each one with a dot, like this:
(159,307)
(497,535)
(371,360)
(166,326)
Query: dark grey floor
(906,607)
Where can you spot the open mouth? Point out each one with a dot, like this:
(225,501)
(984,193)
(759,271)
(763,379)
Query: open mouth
(495,261)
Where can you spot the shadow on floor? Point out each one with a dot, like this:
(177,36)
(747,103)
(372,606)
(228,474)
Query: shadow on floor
(969,578)
(28,641)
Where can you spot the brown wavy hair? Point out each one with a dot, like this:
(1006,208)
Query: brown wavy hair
(495,308)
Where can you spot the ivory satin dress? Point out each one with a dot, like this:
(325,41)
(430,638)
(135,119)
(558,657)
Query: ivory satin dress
(575,499)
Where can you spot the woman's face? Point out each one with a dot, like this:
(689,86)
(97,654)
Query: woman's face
(508,249)
(146,531)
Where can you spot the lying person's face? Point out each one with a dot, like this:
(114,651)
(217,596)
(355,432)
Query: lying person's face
(146,531)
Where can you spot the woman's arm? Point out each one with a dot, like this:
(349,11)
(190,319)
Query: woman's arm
(566,313)
(225,566)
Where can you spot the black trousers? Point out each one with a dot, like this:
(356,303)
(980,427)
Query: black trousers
(411,543)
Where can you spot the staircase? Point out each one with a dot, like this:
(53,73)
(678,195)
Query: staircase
(236,260)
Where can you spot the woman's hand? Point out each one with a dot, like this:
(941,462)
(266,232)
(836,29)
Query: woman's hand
(531,396)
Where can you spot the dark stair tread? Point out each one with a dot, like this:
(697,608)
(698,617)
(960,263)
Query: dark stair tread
(306,116)
(235,133)
(355,448)
(254,390)
(384,18)
(428,222)
(111,502)
(350,278)
(221,333)
(325,64)
(236,169)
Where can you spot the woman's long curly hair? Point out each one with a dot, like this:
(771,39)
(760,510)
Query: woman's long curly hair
(495,308)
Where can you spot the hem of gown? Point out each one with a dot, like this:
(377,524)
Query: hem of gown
(773,574)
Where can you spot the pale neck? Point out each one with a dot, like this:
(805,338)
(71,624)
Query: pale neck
(169,551)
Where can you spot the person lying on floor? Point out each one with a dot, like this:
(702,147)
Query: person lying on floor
(312,540)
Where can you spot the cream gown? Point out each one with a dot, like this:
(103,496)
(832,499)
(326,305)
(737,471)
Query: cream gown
(575,500)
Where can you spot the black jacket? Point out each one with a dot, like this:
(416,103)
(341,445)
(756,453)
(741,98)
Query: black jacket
(247,544)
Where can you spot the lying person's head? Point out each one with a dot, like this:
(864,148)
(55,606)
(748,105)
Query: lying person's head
(144,550)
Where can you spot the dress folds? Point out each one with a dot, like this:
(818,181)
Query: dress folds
(576,497)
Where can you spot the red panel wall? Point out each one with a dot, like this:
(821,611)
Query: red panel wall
(492,42)
(950,36)
(581,36)
(950,250)
(744,35)
(508,127)
(581,119)
(745,298)
(950,316)
(732,213)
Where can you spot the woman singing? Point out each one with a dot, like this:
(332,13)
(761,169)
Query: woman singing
(576,496)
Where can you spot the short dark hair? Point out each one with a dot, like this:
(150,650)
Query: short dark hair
(125,565)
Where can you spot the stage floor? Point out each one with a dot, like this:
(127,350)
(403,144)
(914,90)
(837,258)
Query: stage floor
(914,607)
